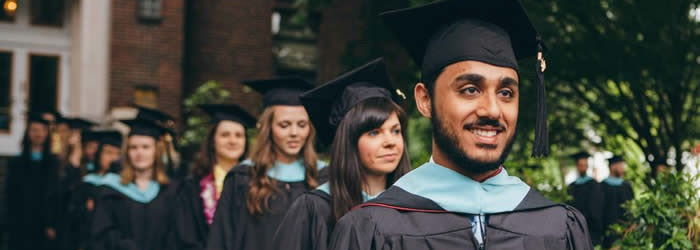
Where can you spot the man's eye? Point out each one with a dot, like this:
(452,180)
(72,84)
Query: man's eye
(470,91)
(506,93)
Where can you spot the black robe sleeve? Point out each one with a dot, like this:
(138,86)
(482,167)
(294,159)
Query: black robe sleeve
(353,232)
(577,235)
(190,225)
(223,226)
(106,231)
(306,226)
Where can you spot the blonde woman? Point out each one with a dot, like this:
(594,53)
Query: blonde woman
(282,166)
(134,210)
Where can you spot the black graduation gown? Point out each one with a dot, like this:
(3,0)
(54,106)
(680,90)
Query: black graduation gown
(612,210)
(235,228)
(74,227)
(31,197)
(400,220)
(308,224)
(588,199)
(191,228)
(122,223)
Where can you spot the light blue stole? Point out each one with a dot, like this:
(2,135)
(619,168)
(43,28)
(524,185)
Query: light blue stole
(131,190)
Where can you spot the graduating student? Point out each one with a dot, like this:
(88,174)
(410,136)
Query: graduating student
(464,197)
(224,147)
(75,225)
(79,156)
(282,166)
(134,209)
(32,181)
(587,197)
(616,191)
(358,113)
(171,157)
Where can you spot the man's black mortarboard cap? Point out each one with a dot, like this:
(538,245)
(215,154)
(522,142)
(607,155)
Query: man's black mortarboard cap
(615,159)
(328,103)
(496,32)
(229,112)
(79,123)
(145,127)
(37,117)
(163,119)
(280,91)
(109,137)
(579,155)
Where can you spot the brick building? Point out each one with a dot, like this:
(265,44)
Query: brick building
(93,58)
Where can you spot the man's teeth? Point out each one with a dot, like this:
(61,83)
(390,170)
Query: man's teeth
(487,133)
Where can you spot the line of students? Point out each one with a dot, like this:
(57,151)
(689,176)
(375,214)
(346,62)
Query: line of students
(600,202)
(282,196)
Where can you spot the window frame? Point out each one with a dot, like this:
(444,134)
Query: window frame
(151,18)
(9,92)
(28,86)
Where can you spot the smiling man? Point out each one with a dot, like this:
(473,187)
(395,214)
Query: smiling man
(464,198)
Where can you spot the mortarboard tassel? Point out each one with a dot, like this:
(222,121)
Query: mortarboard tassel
(541,147)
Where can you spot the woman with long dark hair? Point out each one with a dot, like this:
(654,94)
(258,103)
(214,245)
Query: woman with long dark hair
(75,227)
(32,181)
(358,113)
(135,207)
(282,166)
(224,147)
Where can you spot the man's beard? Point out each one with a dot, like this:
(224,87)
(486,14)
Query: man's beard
(448,142)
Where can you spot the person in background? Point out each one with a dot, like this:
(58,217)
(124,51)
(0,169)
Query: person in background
(357,113)
(171,157)
(587,197)
(75,225)
(225,147)
(616,191)
(283,165)
(135,207)
(32,179)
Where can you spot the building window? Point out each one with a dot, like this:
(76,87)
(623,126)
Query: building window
(5,95)
(295,42)
(146,96)
(47,12)
(150,10)
(9,9)
(43,82)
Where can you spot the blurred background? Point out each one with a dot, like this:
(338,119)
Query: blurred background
(623,77)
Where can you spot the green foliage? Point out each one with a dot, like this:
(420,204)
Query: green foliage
(419,139)
(197,123)
(665,216)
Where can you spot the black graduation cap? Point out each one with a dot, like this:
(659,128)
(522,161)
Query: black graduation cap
(145,127)
(328,103)
(615,159)
(89,135)
(165,120)
(37,117)
(229,112)
(496,32)
(47,110)
(579,155)
(109,137)
(280,91)
(79,123)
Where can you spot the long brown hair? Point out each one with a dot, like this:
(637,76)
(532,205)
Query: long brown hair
(127,173)
(262,187)
(346,172)
(207,153)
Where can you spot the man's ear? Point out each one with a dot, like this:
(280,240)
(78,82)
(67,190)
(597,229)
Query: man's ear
(423,101)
